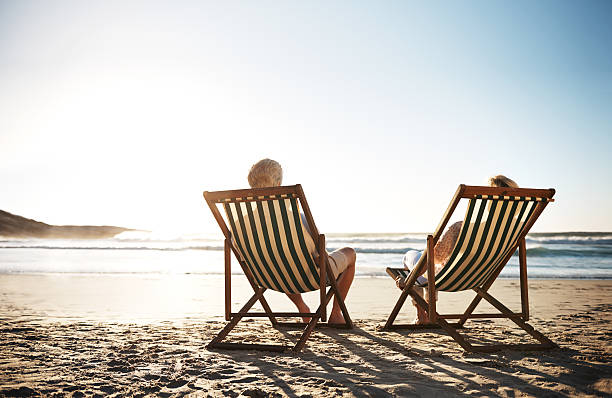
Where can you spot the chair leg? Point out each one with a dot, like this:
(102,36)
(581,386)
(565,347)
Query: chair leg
(523,279)
(234,321)
(333,291)
(469,310)
(262,299)
(306,334)
(452,331)
(477,299)
(398,306)
(442,322)
(338,297)
(217,342)
(519,321)
(268,311)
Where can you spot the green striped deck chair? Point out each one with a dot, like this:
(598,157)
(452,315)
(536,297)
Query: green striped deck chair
(495,225)
(263,228)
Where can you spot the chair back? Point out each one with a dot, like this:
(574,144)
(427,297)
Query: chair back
(269,237)
(489,235)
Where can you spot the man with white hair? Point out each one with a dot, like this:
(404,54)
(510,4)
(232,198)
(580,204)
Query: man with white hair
(269,173)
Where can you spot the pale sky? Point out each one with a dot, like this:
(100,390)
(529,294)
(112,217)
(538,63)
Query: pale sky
(122,113)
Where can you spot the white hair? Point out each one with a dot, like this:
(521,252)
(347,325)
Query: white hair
(265,173)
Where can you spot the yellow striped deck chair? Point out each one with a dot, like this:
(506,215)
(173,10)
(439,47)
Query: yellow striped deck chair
(263,227)
(495,225)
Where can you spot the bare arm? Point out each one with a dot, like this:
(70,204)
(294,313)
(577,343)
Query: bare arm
(442,250)
(445,245)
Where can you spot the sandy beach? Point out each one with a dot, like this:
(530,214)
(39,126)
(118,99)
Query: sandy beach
(96,335)
(140,140)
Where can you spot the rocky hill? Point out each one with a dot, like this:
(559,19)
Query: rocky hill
(14,226)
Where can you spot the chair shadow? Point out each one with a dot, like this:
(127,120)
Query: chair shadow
(359,381)
(559,357)
(360,360)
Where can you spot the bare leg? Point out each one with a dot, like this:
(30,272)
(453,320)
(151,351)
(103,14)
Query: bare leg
(422,316)
(344,285)
(300,304)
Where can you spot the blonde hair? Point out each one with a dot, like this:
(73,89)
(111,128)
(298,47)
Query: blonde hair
(265,173)
(502,181)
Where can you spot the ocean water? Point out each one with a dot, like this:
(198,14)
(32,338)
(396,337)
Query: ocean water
(575,255)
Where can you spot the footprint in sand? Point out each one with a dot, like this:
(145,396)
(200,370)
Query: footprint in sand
(107,389)
(20,392)
(256,393)
(120,366)
(151,389)
(248,379)
(177,383)
(216,376)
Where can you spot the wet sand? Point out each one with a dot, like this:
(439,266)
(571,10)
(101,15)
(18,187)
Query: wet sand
(113,335)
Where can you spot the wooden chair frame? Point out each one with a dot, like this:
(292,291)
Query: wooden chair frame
(440,320)
(325,275)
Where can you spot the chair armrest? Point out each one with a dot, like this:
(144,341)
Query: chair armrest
(395,272)
(403,273)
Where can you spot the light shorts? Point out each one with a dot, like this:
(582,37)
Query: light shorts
(411,258)
(338,262)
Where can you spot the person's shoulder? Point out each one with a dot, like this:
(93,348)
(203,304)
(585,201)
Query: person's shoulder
(455,228)
(457,225)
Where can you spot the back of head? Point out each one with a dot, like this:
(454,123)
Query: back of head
(502,181)
(265,173)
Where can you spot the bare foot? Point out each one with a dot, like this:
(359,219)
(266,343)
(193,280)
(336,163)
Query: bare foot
(422,317)
(336,318)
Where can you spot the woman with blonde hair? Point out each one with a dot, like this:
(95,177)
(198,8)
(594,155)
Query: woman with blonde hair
(444,248)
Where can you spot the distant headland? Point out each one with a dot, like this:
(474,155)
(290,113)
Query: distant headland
(14,226)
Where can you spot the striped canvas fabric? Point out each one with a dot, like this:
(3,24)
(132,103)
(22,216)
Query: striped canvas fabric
(270,237)
(490,230)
